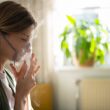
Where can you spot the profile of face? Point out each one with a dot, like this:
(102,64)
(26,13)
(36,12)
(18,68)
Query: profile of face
(16,44)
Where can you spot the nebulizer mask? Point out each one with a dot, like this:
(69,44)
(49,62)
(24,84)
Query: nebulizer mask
(24,55)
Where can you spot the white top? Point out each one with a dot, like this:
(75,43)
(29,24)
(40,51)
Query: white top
(9,93)
(8,90)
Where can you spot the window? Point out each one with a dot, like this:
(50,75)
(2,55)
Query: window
(80,8)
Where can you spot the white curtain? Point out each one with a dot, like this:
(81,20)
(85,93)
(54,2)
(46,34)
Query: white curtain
(40,9)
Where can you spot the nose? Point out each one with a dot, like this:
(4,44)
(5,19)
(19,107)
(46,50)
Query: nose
(28,47)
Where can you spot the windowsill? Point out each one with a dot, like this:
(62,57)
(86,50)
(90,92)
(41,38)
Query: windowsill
(66,68)
(83,70)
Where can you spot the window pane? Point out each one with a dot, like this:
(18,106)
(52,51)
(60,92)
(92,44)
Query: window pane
(88,9)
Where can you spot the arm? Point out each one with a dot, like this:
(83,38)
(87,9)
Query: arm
(19,103)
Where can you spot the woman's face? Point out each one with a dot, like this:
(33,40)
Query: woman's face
(16,43)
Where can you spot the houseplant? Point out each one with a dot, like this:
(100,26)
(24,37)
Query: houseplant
(90,41)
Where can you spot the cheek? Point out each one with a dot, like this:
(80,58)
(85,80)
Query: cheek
(19,46)
(5,50)
(17,43)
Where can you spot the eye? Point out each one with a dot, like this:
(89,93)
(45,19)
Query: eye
(24,40)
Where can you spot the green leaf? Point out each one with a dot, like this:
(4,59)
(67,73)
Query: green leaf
(93,45)
(65,32)
(100,55)
(64,44)
(96,21)
(106,45)
(67,53)
(71,20)
(98,40)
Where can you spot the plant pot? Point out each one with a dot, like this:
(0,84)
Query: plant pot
(88,63)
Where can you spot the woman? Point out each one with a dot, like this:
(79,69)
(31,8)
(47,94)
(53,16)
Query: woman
(16,26)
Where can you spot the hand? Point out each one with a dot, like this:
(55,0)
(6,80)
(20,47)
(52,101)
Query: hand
(24,77)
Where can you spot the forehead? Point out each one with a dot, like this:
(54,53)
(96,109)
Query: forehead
(29,30)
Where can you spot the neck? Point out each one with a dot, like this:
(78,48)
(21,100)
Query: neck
(2,62)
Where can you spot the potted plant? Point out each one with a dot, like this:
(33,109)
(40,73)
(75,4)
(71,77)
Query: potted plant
(90,41)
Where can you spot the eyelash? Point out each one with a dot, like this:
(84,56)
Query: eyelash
(24,40)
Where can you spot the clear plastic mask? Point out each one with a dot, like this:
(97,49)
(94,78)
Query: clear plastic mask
(25,55)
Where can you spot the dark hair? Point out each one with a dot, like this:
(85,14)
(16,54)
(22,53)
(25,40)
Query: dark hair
(14,17)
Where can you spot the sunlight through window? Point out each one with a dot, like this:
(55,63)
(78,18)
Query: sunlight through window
(87,9)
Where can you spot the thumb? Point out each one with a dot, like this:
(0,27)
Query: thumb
(23,70)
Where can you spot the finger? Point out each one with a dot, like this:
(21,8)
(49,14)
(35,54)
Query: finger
(35,61)
(34,74)
(23,70)
(33,65)
(14,71)
(33,58)
(31,61)
(33,70)
(34,81)
(36,69)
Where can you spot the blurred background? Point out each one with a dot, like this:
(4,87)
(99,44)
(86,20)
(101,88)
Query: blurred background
(72,45)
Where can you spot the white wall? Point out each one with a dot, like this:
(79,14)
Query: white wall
(65,84)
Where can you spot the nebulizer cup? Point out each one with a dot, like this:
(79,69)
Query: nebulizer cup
(25,57)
